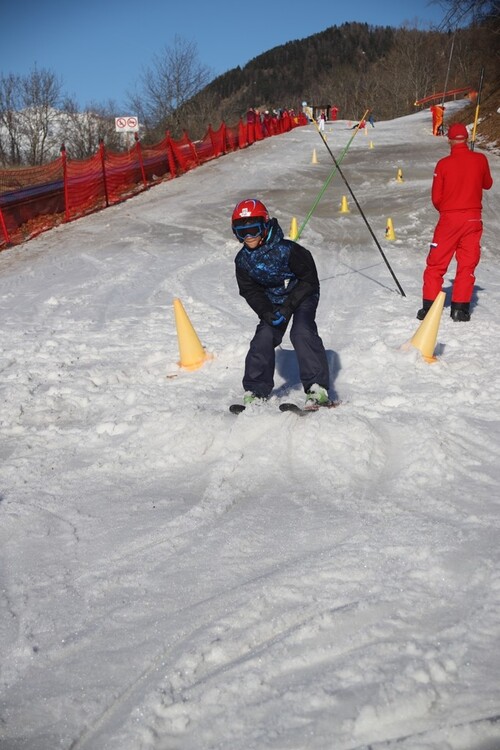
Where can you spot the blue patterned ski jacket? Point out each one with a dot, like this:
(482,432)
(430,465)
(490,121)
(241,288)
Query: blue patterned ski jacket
(278,275)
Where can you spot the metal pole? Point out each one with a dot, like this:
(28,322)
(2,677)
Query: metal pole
(448,71)
(362,214)
(476,116)
(330,176)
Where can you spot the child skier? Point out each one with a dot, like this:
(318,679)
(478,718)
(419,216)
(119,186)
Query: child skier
(279,280)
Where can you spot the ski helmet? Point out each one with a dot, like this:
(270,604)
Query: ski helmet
(250,219)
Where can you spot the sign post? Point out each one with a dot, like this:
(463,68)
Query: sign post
(127,124)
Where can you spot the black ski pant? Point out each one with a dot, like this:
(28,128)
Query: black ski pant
(311,355)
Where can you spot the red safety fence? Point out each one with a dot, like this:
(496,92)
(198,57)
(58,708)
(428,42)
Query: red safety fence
(35,199)
(444,94)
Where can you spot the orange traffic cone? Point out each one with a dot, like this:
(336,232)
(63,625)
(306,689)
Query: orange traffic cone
(294,230)
(426,335)
(344,207)
(192,354)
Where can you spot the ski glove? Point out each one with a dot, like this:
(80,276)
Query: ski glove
(275,318)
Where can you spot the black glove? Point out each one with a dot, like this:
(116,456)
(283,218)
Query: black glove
(275,318)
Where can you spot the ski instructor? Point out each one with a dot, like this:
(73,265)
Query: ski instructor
(457,191)
(279,280)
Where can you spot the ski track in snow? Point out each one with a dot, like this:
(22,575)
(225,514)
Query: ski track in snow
(177,578)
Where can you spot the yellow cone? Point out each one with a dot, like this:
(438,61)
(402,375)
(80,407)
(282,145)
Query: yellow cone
(426,335)
(399,177)
(314,159)
(294,230)
(371,144)
(389,231)
(191,351)
(344,207)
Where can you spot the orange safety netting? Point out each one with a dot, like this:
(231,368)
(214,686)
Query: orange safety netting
(31,201)
(17,178)
(35,199)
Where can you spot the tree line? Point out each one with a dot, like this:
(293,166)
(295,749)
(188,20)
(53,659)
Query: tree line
(356,66)
(353,66)
(37,117)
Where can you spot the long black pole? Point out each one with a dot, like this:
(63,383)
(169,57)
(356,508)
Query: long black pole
(329,178)
(362,214)
(448,71)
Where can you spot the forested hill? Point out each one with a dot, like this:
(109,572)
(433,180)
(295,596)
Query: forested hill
(285,73)
(353,66)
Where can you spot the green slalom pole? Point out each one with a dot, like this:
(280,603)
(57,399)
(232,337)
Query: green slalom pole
(331,175)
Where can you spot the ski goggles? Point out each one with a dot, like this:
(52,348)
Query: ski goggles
(249,229)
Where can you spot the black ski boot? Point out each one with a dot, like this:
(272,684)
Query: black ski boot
(460,312)
(426,306)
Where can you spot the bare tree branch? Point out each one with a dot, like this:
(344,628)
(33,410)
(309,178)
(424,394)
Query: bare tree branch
(460,13)
(174,77)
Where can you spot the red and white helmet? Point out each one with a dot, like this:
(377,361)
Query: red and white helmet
(250,219)
(250,208)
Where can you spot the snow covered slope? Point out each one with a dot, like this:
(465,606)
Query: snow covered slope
(177,578)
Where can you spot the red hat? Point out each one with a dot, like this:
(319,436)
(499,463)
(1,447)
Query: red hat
(458,132)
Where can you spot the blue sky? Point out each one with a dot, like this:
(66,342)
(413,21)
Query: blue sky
(99,47)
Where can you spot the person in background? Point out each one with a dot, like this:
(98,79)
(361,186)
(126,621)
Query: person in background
(321,122)
(278,279)
(361,125)
(437,111)
(457,190)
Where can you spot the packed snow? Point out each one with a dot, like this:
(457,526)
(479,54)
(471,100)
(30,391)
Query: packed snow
(174,577)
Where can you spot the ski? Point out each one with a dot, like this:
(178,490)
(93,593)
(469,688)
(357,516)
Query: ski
(304,411)
(300,411)
(238,408)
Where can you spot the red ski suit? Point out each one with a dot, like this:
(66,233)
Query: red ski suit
(457,188)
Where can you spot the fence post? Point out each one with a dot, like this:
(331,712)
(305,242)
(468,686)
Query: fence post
(103,168)
(210,133)
(191,148)
(65,182)
(242,135)
(224,137)
(4,228)
(170,156)
(259,135)
(141,162)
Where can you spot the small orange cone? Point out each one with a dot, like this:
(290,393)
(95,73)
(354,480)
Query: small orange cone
(192,354)
(294,230)
(426,335)
(314,159)
(389,231)
(344,207)
(399,177)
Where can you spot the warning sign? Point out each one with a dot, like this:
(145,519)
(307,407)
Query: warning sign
(126,124)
